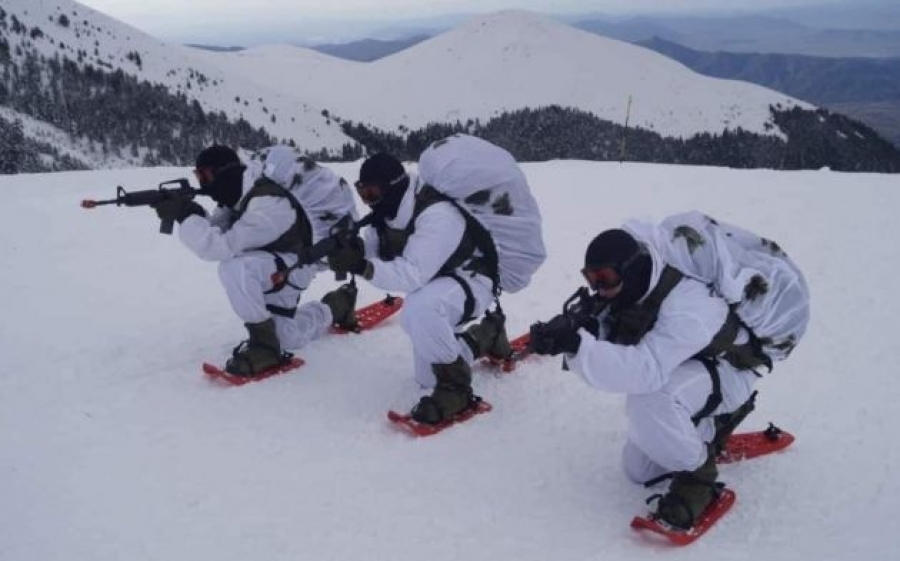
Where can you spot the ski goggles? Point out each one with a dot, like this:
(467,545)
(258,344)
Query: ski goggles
(603,278)
(607,278)
(370,193)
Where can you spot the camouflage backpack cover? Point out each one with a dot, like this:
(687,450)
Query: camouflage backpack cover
(486,182)
(324,196)
(753,274)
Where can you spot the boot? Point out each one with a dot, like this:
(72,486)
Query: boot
(689,494)
(260,351)
(727,423)
(488,338)
(342,302)
(451,396)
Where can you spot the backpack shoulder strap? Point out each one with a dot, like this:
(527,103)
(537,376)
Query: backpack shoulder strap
(668,280)
(476,237)
(631,324)
(299,235)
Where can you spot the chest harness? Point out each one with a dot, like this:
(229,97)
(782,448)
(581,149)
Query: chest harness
(628,327)
(476,252)
(293,240)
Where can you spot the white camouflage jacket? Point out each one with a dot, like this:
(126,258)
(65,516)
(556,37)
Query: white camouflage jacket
(439,230)
(320,191)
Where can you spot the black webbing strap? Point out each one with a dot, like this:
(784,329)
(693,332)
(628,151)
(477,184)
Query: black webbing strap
(715,397)
(475,237)
(651,482)
(281,266)
(283,312)
(469,305)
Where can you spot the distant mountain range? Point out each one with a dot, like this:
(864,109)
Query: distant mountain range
(79,86)
(367,50)
(821,80)
(759,34)
(867,89)
(752,34)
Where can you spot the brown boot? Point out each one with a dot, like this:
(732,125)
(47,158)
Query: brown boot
(488,337)
(689,494)
(260,351)
(342,302)
(451,396)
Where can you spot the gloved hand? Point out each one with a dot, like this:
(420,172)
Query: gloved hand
(177,208)
(349,257)
(559,335)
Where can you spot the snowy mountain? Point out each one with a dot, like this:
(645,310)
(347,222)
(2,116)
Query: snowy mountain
(513,60)
(62,28)
(113,446)
(505,61)
(79,89)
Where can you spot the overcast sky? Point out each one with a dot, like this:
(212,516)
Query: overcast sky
(232,22)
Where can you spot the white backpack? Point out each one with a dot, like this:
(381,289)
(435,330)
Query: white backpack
(754,274)
(486,182)
(324,196)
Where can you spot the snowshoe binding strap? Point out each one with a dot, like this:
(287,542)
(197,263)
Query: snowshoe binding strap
(238,357)
(674,501)
(429,412)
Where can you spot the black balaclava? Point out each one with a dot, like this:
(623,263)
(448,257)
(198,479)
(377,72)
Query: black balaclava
(226,187)
(618,249)
(387,173)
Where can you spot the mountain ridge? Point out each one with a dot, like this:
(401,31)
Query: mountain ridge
(511,62)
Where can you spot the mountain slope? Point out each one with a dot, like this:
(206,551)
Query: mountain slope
(136,100)
(513,60)
(62,28)
(866,89)
(113,447)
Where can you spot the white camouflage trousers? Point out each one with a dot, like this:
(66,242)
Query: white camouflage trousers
(661,436)
(430,318)
(247,277)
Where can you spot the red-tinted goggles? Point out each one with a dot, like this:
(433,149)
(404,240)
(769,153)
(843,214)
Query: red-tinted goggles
(370,193)
(602,278)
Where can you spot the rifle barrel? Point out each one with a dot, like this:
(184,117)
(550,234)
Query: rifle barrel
(91,203)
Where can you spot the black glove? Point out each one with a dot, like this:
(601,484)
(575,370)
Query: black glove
(177,208)
(559,335)
(349,257)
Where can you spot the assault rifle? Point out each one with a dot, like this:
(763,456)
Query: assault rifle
(579,311)
(150,198)
(340,234)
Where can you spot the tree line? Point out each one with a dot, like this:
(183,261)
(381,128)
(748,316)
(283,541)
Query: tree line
(117,113)
(812,140)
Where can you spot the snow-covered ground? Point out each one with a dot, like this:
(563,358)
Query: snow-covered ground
(113,446)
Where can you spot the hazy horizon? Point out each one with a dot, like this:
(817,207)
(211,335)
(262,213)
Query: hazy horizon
(228,22)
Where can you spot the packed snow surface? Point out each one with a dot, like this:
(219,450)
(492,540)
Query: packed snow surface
(113,445)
